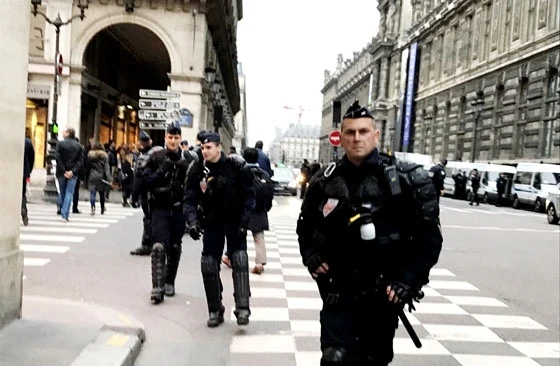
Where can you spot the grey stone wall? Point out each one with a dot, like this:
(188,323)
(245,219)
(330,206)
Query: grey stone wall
(14,38)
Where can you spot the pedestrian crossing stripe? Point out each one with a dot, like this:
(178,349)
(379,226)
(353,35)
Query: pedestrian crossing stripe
(44,248)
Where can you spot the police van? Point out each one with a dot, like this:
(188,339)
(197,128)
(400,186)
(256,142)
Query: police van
(489,174)
(532,184)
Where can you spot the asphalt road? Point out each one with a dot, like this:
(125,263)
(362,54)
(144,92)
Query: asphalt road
(500,257)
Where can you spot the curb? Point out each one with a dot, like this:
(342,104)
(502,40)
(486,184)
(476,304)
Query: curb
(115,345)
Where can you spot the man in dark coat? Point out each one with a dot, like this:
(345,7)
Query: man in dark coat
(501,183)
(258,219)
(28,162)
(437,173)
(69,162)
(81,176)
(264,161)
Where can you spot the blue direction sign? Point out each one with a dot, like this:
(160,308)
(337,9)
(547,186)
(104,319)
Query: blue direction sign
(155,104)
(158,94)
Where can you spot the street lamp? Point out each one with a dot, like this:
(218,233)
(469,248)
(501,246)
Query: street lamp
(50,188)
(477,104)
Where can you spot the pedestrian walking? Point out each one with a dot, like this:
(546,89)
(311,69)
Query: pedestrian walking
(365,258)
(69,161)
(81,177)
(475,185)
(98,176)
(437,173)
(28,163)
(264,161)
(224,189)
(113,163)
(164,180)
(127,178)
(139,196)
(460,180)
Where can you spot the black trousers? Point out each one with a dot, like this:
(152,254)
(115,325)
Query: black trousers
(168,226)
(76,196)
(24,199)
(214,240)
(362,324)
(147,236)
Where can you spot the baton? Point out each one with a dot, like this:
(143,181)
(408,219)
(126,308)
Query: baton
(409,329)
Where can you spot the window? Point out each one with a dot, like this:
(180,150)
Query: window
(523,177)
(487,31)
(550,178)
(506,37)
(455,50)
(476,34)
(517,9)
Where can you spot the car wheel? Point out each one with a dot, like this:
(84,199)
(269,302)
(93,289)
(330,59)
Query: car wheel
(551,215)
(515,203)
(485,198)
(538,205)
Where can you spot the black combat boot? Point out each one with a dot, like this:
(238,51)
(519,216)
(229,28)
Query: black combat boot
(216,318)
(173,259)
(158,273)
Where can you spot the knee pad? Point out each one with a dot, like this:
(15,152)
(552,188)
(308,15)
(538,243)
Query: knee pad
(158,248)
(335,356)
(240,261)
(209,265)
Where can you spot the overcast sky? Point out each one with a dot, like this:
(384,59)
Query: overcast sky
(285,46)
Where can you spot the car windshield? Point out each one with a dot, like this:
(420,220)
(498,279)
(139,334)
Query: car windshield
(550,178)
(283,174)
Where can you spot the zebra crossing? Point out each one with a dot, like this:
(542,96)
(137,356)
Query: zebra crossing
(47,236)
(458,324)
(483,209)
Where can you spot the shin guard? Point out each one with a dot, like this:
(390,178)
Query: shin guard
(240,269)
(212,284)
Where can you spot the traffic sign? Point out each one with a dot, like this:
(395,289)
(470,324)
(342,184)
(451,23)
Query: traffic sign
(158,104)
(158,94)
(157,115)
(334,138)
(154,125)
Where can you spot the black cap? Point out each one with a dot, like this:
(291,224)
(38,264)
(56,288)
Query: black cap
(184,142)
(200,135)
(357,111)
(210,137)
(174,128)
(143,136)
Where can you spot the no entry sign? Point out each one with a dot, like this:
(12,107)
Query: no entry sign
(334,138)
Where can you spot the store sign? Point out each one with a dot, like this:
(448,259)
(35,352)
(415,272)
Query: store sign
(38,91)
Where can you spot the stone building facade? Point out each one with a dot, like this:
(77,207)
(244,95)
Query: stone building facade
(298,142)
(488,86)
(240,119)
(188,46)
(375,76)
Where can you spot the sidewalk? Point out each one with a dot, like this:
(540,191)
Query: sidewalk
(55,332)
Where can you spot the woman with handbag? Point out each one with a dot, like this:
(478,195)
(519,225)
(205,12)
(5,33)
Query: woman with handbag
(98,175)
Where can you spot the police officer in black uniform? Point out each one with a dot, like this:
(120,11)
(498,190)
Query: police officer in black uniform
(164,178)
(139,196)
(369,234)
(437,173)
(223,188)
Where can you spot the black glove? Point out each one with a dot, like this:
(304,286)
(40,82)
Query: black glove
(313,263)
(134,204)
(194,232)
(402,291)
(167,165)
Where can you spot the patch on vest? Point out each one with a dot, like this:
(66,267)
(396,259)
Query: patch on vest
(329,206)
(203,185)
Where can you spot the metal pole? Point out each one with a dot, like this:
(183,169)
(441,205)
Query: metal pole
(56,78)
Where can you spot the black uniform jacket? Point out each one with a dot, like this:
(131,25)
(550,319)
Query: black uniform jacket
(165,186)
(408,236)
(223,190)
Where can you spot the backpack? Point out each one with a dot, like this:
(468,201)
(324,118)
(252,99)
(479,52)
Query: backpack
(264,189)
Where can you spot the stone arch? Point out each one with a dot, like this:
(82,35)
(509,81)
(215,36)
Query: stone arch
(82,40)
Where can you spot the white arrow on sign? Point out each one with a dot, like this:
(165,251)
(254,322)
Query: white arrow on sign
(158,104)
(157,115)
(158,94)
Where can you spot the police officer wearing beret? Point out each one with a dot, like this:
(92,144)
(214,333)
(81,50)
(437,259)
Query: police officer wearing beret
(164,179)
(139,196)
(369,234)
(223,188)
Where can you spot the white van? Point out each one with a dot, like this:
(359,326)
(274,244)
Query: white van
(452,168)
(489,174)
(425,160)
(532,183)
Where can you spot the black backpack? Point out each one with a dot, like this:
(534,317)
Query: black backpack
(264,189)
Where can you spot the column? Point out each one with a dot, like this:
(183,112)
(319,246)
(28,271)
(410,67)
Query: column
(383,78)
(74,102)
(191,98)
(14,38)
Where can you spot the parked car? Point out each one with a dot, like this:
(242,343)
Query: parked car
(284,181)
(532,184)
(553,207)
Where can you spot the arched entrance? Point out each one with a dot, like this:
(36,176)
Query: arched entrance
(118,61)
